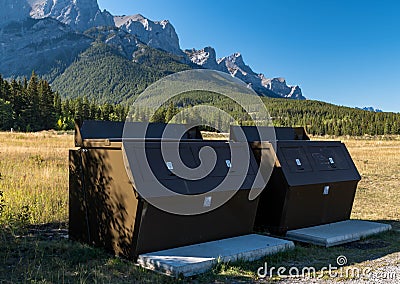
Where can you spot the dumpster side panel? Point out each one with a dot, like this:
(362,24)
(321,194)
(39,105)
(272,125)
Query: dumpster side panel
(111,200)
(272,202)
(78,226)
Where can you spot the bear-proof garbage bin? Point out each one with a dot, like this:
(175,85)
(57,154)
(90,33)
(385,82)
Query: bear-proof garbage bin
(106,204)
(313,182)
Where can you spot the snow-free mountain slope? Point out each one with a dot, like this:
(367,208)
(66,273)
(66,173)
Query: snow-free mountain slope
(49,35)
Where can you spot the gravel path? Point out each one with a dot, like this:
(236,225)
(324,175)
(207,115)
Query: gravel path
(381,270)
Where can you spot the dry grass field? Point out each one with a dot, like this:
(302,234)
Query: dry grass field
(378,194)
(34,177)
(34,217)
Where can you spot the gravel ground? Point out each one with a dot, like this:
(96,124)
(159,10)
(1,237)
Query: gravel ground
(381,270)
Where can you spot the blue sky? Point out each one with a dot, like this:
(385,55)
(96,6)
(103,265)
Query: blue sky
(343,52)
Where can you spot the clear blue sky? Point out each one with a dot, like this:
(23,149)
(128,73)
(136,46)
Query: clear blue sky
(343,52)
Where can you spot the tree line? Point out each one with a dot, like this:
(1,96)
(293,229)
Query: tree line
(317,117)
(32,105)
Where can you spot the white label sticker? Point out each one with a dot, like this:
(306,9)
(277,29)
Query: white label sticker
(298,162)
(326,190)
(331,161)
(228,163)
(207,201)
(169,165)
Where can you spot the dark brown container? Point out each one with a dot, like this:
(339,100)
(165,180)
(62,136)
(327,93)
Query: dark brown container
(106,210)
(313,183)
(252,133)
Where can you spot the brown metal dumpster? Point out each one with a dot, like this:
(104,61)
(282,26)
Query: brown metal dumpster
(106,206)
(313,182)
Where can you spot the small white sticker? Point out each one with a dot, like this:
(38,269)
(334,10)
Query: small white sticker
(331,161)
(326,190)
(298,162)
(169,165)
(207,201)
(228,163)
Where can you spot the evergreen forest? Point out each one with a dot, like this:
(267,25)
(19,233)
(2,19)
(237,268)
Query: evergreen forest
(31,105)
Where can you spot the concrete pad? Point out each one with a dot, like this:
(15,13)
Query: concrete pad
(337,233)
(196,259)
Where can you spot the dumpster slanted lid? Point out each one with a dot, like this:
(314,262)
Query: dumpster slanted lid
(115,131)
(268,133)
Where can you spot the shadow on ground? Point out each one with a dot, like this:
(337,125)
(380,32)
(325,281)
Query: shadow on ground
(44,254)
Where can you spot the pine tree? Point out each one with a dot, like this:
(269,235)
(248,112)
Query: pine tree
(57,105)
(78,110)
(32,95)
(6,115)
(171,112)
(47,113)
(85,109)
(5,92)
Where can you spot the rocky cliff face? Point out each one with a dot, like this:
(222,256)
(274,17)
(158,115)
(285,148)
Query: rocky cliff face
(126,44)
(78,14)
(44,45)
(159,35)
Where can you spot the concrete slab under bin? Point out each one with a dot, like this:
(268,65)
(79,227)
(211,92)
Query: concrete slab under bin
(196,259)
(337,233)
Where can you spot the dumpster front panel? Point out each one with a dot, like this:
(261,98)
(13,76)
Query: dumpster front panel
(312,205)
(161,230)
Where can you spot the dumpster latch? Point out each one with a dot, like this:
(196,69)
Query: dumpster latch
(207,201)
(332,163)
(299,164)
(170,166)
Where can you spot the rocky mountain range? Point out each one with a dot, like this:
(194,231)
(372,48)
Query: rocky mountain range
(370,108)
(49,36)
(235,65)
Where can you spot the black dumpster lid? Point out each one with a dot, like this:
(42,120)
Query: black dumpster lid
(281,133)
(316,162)
(91,129)
(156,171)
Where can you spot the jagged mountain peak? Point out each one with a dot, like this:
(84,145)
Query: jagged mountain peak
(205,57)
(78,14)
(235,64)
(279,86)
(157,34)
(137,18)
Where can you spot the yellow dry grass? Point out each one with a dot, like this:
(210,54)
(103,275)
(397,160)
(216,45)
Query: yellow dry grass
(34,177)
(378,194)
